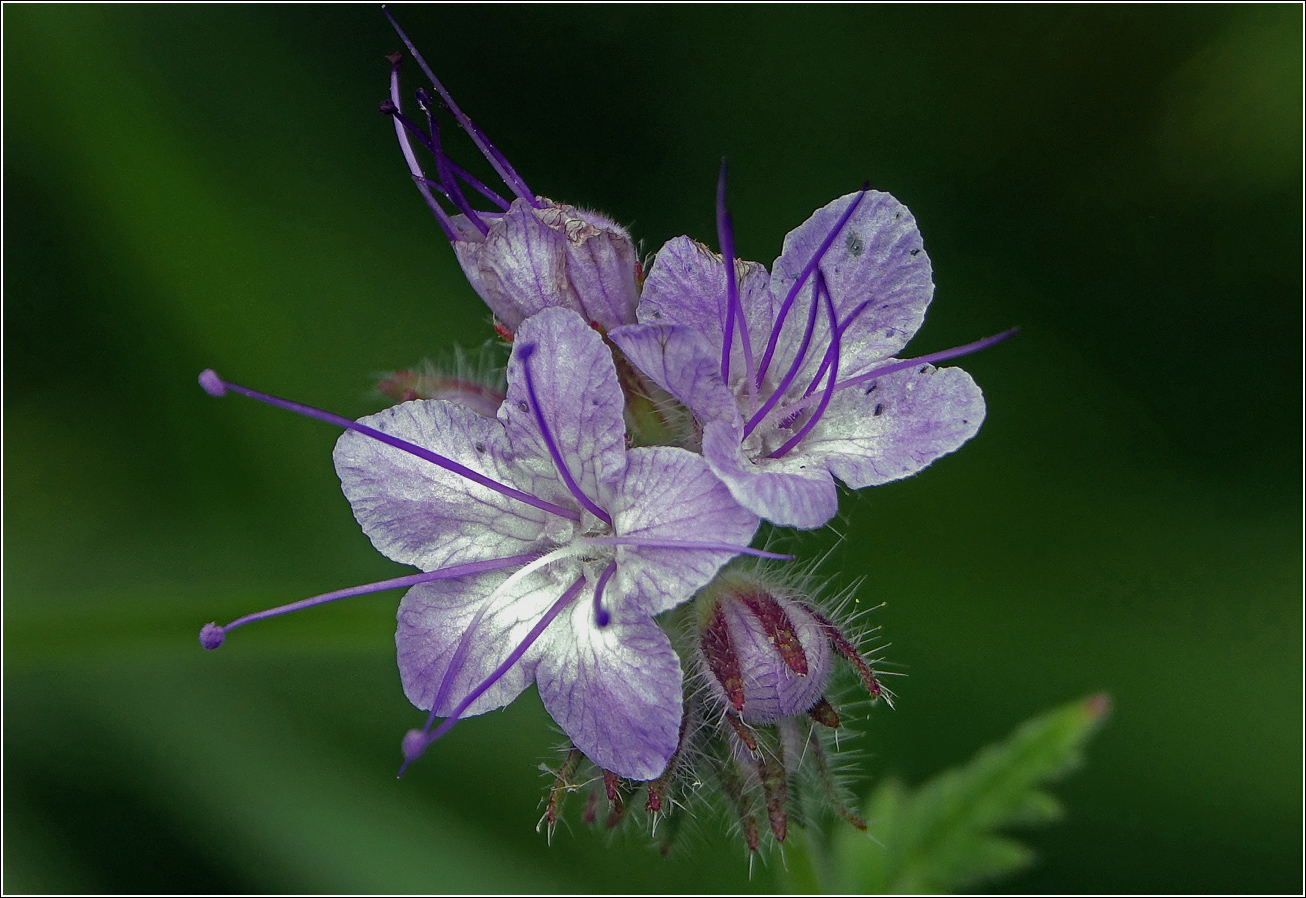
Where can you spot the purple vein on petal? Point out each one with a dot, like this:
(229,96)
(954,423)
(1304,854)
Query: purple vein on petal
(654,543)
(778,393)
(783,313)
(940,356)
(525,354)
(831,361)
(405,145)
(461,570)
(208,377)
(488,150)
(516,655)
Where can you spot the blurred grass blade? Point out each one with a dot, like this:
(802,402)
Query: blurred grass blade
(943,837)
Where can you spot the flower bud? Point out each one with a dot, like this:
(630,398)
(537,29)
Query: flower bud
(471,380)
(766,655)
(534,257)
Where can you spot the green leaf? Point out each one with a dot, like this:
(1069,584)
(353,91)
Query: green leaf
(944,836)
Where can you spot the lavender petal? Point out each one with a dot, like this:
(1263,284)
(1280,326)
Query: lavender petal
(909,420)
(418,513)
(615,691)
(671,494)
(580,401)
(878,263)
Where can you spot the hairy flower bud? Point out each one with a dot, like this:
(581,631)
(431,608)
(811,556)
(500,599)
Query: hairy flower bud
(534,257)
(766,655)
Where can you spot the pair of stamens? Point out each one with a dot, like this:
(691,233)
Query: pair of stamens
(448,173)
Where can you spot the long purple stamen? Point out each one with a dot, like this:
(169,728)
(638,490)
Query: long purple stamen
(831,360)
(417,741)
(941,355)
(778,393)
(802,279)
(442,167)
(899,365)
(477,184)
(682,544)
(734,309)
(847,323)
(406,147)
(488,150)
(431,143)
(525,354)
(216,386)
(602,617)
(211,635)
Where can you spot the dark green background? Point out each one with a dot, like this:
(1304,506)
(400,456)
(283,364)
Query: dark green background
(193,187)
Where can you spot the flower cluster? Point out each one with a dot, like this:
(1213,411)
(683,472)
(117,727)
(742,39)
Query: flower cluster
(581,524)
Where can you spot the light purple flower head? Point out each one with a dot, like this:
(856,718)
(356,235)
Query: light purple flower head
(547,547)
(793,374)
(526,254)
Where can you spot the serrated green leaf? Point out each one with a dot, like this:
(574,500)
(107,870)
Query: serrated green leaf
(943,836)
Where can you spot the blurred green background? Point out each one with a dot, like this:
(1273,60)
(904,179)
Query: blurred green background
(213,186)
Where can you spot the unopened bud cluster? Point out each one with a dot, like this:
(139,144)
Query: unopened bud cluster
(757,741)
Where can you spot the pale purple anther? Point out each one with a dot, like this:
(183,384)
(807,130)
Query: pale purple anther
(827,398)
(514,521)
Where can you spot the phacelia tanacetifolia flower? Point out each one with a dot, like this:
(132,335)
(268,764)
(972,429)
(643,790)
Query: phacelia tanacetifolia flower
(525,254)
(547,547)
(792,374)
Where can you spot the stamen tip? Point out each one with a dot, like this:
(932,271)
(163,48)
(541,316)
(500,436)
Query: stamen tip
(211,636)
(388,107)
(602,617)
(415,742)
(211,383)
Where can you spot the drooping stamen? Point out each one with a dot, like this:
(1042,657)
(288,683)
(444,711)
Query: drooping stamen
(734,310)
(416,741)
(212,635)
(787,381)
(525,353)
(602,617)
(406,147)
(941,355)
(802,279)
(442,167)
(680,544)
(831,361)
(488,150)
(216,386)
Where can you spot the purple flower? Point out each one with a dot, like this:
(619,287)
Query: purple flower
(526,254)
(792,375)
(547,547)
